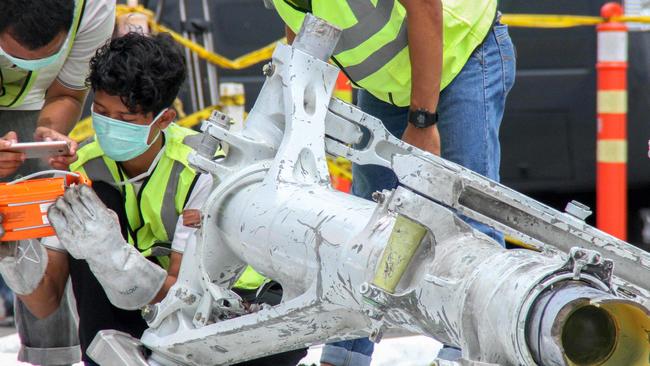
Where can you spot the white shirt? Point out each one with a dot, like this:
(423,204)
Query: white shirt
(198,197)
(94,31)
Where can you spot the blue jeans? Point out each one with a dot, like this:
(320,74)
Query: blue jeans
(470,111)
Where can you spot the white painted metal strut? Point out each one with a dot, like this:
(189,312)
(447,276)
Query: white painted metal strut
(352,268)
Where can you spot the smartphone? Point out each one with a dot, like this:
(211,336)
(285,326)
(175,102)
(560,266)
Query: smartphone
(43,149)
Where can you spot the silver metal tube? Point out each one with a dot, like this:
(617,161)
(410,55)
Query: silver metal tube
(213,84)
(188,57)
(317,38)
(198,75)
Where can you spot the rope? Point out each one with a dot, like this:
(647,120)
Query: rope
(565,21)
(265,53)
(239,63)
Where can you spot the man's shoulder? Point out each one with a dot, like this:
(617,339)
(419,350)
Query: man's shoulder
(95,11)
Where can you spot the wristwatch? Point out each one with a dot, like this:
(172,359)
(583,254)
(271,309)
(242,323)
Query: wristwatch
(422,118)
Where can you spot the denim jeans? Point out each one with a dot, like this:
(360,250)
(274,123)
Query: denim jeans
(470,111)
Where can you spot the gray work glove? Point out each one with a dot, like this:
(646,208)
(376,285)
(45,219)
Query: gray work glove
(90,231)
(22,264)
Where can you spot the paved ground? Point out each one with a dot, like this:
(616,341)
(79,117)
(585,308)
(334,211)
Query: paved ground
(4,331)
(406,351)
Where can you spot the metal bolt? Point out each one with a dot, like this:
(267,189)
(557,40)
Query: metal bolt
(378,197)
(376,335)
(595,259)
(149,312)
(268,69)
(221,119)
(364,288)
(375,314)
(578,254)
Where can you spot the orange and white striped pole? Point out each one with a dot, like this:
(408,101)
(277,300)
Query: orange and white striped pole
(611,170)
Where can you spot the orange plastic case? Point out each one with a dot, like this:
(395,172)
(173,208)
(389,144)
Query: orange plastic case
(24,205)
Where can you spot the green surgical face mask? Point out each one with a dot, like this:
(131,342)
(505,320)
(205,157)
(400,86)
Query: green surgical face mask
(120,140)
(37,64)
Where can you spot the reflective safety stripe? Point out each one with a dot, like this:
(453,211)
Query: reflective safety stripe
(612,151)
(612,101)
(367,26)
(168,209)
(154,212)
(97,169)
(381,57)
(612,47)
(373,49)
(193,141)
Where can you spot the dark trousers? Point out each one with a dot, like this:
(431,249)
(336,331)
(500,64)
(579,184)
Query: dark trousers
(95,310)
(271,293)
(97,313)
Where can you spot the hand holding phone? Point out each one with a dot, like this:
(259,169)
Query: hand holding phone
(61,162)
(44,149)
(9,161)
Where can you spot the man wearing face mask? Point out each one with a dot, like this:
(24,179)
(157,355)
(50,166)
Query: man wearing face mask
(123,240)
(45,46)
(127,252)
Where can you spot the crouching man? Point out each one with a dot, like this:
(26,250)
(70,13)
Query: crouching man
(122,241)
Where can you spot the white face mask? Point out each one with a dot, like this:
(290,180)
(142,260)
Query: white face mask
(145,174)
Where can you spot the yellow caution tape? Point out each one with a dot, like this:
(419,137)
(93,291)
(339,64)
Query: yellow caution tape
(82,130)
(196,117)
(632,19)
(239,63)
(549,21)
(565,21)
(265,53)
(232,100)
(180,109)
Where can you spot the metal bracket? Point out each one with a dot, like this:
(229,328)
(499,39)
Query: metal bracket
(183,296)
(591,262)
(115,348)
(578,210)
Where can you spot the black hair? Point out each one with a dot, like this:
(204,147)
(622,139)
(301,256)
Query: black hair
(146,72)
(35,23)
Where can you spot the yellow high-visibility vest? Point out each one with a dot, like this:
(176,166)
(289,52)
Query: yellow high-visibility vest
(373,49)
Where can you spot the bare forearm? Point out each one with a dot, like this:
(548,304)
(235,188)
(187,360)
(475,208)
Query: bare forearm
(44,300)
(425,33)
(172,274)
(62,108)
(60,114)
(47,296)
(290,34)
(424,26)
(169,282)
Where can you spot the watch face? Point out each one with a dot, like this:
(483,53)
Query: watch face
(422,118)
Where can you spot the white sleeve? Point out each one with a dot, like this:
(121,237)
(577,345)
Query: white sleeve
(95,29)
(198,197)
